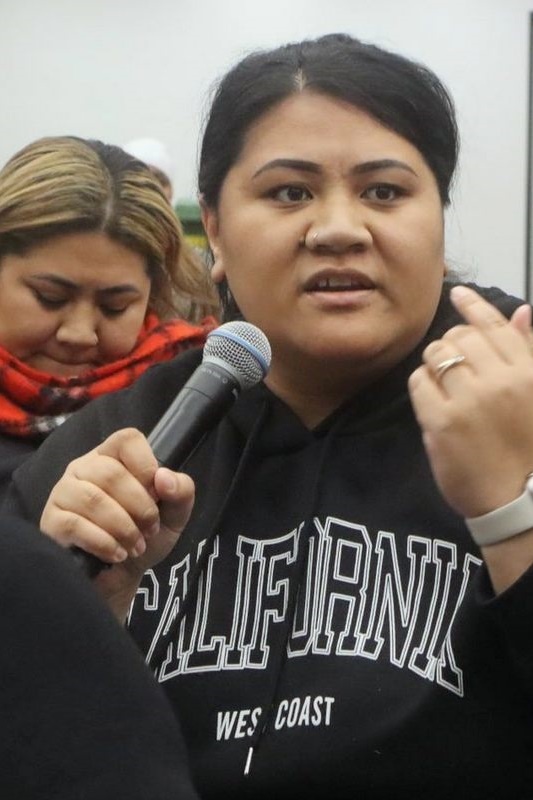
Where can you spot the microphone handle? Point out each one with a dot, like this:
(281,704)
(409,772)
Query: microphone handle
(200,405)
(197,408)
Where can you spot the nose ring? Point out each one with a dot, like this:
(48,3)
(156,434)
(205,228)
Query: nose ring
(312,244)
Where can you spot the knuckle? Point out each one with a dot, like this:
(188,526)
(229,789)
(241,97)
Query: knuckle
(415,378)
(127,435)
(94,497)
(146,469)
(433,350)
(74,466)
(457,333)
(429,350)
(60,525)
(148,516)
(71,525)
(110,472)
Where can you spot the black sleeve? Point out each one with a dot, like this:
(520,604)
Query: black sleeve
(81,716)
(139,406)
(512,612)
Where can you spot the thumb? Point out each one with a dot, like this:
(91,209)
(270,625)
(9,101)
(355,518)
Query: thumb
(176,494)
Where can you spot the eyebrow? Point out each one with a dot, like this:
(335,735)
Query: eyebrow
(64,283)
(315,169)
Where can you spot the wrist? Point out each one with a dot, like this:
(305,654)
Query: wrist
(504,522)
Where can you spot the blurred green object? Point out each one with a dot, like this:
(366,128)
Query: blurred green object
(190,218)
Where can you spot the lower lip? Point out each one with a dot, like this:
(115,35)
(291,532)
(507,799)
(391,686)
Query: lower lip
(355,298)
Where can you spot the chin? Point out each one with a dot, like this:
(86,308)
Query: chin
(57,368)
(346,348)
(72,370)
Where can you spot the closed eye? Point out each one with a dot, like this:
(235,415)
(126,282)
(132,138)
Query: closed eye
(384,193)
(113,312)
(290,193)
(49,302)
(53,303)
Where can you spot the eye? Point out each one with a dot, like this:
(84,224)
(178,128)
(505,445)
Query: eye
(384,192)
(49,302)
(290,194)
(109,311)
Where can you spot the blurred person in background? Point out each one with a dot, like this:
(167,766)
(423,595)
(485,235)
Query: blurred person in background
(97,283)
(156,156)
(81,717)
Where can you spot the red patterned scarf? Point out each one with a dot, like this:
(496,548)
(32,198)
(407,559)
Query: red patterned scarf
(33,403)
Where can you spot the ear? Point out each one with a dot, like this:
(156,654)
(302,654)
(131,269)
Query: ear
(210,223)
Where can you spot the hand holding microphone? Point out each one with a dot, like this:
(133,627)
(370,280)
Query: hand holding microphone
(122,472)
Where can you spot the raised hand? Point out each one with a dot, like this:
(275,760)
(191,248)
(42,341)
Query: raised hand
(476,414)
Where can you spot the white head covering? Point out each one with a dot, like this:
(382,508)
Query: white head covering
(151,152)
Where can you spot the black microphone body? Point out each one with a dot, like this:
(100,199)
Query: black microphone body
(198,407)
(236,356)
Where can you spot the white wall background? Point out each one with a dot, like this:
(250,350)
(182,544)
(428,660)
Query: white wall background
(118,69)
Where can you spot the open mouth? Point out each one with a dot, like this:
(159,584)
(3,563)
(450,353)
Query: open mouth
(342,282)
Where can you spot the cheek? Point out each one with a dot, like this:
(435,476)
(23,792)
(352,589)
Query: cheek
(24,335)
(417,240)
(117,338)
(256,297)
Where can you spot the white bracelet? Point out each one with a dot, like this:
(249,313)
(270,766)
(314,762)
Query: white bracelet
(505,522)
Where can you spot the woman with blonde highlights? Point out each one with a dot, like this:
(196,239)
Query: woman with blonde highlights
(97,283)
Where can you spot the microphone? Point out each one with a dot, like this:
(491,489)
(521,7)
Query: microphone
(236,356)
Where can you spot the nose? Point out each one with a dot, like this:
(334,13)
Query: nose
(339,225)
(78,328)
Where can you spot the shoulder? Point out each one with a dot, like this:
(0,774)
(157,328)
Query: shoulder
(13,452)
(161,381)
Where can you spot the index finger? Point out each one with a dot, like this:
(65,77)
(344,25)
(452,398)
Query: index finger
(131,448)
(505,336)
(475,309)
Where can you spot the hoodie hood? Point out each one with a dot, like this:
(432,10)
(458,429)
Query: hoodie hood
(282,430)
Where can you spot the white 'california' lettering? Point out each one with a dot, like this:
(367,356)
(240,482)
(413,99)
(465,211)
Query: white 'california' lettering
(361,596)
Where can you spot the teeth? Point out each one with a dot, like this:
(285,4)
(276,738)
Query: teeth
(338,283)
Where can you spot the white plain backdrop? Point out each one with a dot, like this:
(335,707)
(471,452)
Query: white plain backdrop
(121,69)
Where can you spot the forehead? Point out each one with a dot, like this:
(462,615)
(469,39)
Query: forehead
(88,258)
(318,127)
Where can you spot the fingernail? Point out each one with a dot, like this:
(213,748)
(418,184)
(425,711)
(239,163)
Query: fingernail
(153,530)
(139,548)
(460,292)
(171,483)
(120,554)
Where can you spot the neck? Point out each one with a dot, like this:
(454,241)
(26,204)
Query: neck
(310,402)
(315,391)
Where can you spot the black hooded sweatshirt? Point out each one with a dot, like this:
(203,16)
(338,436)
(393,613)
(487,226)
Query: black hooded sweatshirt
(325,623)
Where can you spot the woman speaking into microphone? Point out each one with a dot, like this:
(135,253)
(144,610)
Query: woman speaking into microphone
(343,609)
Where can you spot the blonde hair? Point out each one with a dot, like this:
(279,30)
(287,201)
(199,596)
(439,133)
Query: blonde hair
(64,184)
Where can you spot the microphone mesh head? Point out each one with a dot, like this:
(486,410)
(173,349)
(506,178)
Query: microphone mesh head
(242,349)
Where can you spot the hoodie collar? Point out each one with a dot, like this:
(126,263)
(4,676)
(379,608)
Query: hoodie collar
(381,401)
